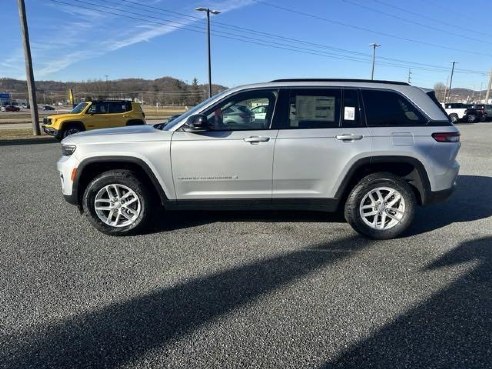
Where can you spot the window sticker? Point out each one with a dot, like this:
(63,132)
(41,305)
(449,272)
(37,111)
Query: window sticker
(349,113)
(321,108)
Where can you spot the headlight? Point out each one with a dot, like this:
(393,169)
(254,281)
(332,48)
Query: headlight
(68,150)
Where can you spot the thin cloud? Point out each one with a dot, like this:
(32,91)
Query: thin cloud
(89,29)
(160,30)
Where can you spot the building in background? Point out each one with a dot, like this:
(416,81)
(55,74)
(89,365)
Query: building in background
(5,98)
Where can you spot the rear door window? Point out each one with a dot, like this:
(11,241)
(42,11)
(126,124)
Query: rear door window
(314,108)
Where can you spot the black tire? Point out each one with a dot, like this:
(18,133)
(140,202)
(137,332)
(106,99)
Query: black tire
(471,118)
(454,118)
(359,193)
(125,178)
(70,129)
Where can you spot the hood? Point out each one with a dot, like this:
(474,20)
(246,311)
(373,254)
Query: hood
(63,116)
(118,135)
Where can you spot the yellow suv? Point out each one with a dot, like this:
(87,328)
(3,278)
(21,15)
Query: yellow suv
(92,115)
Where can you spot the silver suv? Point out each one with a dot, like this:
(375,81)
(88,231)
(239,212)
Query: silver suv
(375,149)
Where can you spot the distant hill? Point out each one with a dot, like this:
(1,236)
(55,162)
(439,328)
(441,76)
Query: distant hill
(165,90)
(466,95)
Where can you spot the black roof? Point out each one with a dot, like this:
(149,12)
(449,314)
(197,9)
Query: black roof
(339,80)
(109,100)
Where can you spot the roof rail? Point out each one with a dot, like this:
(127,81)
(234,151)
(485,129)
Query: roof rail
(339,80)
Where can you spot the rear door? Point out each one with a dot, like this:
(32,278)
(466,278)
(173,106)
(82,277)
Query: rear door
(321,134)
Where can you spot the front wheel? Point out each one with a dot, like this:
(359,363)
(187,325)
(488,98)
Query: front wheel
(471,118)
(381,206)
(70,130)
(117,203)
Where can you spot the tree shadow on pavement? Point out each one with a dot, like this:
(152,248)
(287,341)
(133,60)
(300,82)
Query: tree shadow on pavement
(122,332)
(452,329)
(472,200)
(27,141)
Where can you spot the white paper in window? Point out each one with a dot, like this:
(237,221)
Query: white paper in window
(349,113)
(321,108)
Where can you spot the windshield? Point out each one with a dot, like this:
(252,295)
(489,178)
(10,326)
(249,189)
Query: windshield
(192,111)
(79,108)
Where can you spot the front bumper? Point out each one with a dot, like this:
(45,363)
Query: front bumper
(65,166)
(50,131)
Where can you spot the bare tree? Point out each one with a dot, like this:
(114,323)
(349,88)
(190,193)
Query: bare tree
(440,91)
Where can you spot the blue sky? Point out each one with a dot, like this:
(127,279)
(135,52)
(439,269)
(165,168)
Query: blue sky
(252,40)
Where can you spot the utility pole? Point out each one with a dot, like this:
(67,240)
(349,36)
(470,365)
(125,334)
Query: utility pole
(451,79)
(409,75)
(374,45)
(31,87)
(488,88)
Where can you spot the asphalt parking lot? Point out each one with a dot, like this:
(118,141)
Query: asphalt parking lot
(239,289)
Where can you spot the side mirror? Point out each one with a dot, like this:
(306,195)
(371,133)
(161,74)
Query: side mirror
(196,123)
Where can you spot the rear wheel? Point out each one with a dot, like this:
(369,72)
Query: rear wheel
(117,203)
(471,118)
(454,118)
(380,206)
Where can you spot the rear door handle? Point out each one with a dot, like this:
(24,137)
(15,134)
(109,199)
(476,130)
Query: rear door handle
(348,137)
(256,139)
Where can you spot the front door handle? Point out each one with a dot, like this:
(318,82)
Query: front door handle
(348,137)
(256,139)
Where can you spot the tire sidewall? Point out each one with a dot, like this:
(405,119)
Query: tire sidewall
(65,133)
(125,178)
(352,211)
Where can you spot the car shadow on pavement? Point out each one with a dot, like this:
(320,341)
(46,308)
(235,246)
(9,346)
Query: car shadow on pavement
(451,329)
(472,200)
(172,220)
(122,332)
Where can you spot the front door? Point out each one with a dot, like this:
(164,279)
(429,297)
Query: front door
(233,159)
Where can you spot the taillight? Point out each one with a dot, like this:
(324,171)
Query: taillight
(446,136)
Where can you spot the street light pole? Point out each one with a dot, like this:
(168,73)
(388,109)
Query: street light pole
(208,11)
(374,45)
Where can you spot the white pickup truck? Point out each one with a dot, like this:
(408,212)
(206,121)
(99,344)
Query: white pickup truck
(456,111)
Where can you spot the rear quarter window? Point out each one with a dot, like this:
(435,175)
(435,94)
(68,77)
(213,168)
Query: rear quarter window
(390,109)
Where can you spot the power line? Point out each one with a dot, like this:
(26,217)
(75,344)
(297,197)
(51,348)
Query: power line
(420,15)
(337,54)
(423,25)
(243,29)
(222,24)
(365,29)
